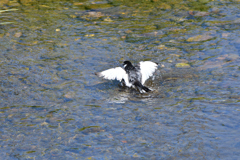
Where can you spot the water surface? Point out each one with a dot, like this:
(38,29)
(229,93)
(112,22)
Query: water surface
(52,106)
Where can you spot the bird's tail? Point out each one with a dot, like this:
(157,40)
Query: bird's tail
(141,87)
(146,89)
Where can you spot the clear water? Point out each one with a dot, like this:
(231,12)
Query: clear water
(52,106)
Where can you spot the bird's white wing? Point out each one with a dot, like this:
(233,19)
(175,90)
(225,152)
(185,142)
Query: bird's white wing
(117,73)
(147,69)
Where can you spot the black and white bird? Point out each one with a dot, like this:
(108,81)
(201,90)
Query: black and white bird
(131,76)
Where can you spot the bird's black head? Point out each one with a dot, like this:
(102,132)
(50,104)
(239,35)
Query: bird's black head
(127,64)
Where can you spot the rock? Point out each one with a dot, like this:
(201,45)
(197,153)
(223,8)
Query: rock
(182,65)
(95,14)
(199,38)
(164,6)
(198,13)
(210,65)
(224,35)
(108,19)
(201,14)
(231,57)
(215,10)
(18,34)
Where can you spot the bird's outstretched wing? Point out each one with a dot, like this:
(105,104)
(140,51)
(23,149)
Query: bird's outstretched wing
(117,73)
(147,69)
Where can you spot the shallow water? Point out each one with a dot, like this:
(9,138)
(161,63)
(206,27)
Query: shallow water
(52,106)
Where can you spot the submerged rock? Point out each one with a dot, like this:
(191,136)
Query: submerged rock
(199,38)
(182,65)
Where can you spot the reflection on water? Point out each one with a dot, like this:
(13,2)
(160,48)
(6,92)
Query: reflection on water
(52,106)
(121,97)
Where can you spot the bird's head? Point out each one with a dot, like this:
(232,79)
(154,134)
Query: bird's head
(127,64)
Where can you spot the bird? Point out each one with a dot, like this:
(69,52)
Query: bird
(131,76)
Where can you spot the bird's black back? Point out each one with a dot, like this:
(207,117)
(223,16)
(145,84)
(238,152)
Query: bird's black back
(134,76)
(134,73)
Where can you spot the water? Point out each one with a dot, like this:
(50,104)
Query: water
(52,105)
